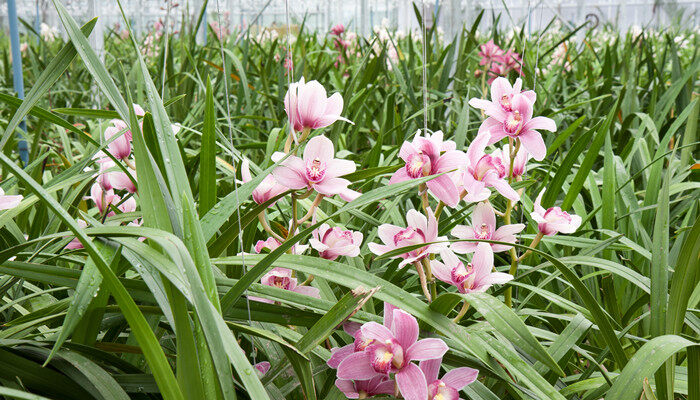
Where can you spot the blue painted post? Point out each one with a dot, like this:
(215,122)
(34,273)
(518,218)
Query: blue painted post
(17,78)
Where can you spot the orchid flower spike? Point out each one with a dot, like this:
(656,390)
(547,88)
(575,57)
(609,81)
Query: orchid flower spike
(484,227)
(476,276)
(317,170)
(449,386)
(282,278)
(554,219)
(430,155)
(484,171)
(308,107)
(502,94)
(419,230)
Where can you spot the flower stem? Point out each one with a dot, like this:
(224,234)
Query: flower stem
(533,244)
(429,277)
(310,213)
(423,191)
(308,281)
(438,210)
(266,227)
(130,164)
(423,283)
(462,312)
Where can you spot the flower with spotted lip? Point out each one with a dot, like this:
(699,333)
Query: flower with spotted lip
(448,387)
(392,351)
(419,230)
(554,220)
(332,243)
(483,171)
(282,278)
(430,155)
(476,276)
(317,169)
(484,227)
(502,94)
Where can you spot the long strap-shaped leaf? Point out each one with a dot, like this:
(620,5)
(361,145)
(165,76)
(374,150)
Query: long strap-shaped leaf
(149,343)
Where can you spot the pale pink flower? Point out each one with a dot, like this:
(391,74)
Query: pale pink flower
(332,243)
(554,219)
(502,97)
(484,227)
(282,278)
(102,198)
(308,107)
(75,243)
(476,276)
(484,171)
(266,190)
(272,243)
(452,382)
(519,163)
(9,201)
(518,124)
(420,230)
(126,206)
(511,61)
(120,147)
(338,30)
(392,351)
(262,368)
(489,52)
(367,388)
(431,155)
(317,170)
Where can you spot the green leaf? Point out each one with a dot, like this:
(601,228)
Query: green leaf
(207,155)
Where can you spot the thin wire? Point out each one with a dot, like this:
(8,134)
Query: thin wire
(165,50)
(539,39)
(425,72)
(529,34)
(289,62)
(233,160)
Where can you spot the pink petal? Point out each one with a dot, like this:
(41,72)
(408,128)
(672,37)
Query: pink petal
(379,249)
(389,314)
(496,278)
(348,388)
(484,214)
(444,189)
(349,195)
(479,103)
(545,123)
(458,378)
(9,201)
(386,387)
(356,366)
(502,186)
(417,220)
(373,330)
(404,328)
(332,186)
(441,271)
(337,167)
(386,232)
(406,150)
(334,104)
(534,144)
(399,176)
(309,291)
(431,369)
(499,87)
(319,147)
(289,177)
(338,354)
(411,382)
(450,161)
(477,147)
(427,349)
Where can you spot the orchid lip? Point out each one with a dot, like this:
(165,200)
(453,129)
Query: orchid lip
(315,170)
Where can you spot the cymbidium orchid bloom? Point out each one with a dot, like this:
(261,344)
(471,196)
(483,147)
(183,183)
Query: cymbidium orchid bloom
(476,276)
(449,386)
(332,243)
(554,220)
(102,198)
(484,171)
(282,278)
(489,52)
(519,163)
(266,190)
(338,29)
(75,243)
(120,147)
(308,107)
(119,180)
(484,227)
(419,230)
(367,388)
(518,124)
(272,243)
(317,170)
(502,94)
(9,201)
(424,156)
(392,351)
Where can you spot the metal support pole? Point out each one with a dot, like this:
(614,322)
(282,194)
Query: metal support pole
(37,23)
(17,78)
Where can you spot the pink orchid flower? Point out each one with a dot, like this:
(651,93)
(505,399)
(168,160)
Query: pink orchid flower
(338,30)
(266,190)
(512,61)
(367,388)
(423,157)
(519,163)
(518,124)
(120,180)
(126,206)
(75,243)
(262,368)
(502,94)
(102,198)
(451,383)
(484,227)
(120,147)
(308,107)
(121,125)
(272,243)
(317,170)
(282,278)
(489,52)
(9,201)
(554,219)
(484,171)
(476,276)
(419,230)
(392,351)
(332,243)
